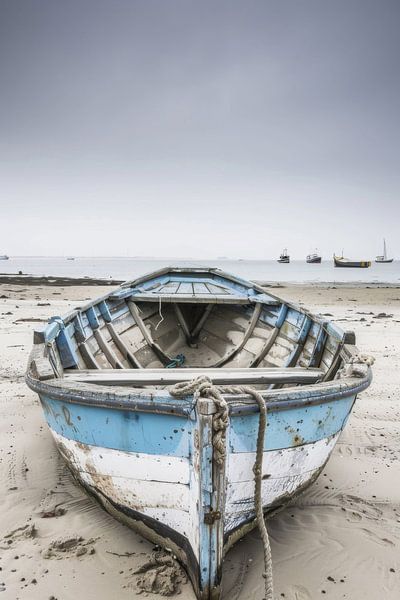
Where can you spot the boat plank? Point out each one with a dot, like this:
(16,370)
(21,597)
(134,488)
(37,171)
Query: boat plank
(122,347)
(164,358)
(219,376)
(295,460)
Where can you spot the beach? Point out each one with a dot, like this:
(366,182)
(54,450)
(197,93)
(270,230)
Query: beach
(340,539)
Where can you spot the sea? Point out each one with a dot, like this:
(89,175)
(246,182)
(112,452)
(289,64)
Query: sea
(125,268)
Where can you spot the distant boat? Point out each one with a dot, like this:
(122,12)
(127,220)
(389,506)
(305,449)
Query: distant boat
(340,261)
(383,258)
(70,257)
(4,257)
(284,257)
(315,257)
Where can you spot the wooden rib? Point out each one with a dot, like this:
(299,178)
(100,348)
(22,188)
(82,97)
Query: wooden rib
(141,377)
(297,348)
(307,323)
(335,364)
(200,323)
(183,324)
(318,349)
(88,356)
(164,358)
(264,351)
(119,342)
(108,353)
(247,335)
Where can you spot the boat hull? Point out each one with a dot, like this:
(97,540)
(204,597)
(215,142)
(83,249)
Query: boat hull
(314,260)
(356,264)
(176,468)
(153,471)
(384,260)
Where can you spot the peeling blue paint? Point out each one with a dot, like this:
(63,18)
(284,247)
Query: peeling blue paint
(151,433)
(290,428)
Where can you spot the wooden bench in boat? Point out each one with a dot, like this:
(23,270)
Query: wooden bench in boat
(144,377)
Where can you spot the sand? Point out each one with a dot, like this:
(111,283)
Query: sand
(341,539)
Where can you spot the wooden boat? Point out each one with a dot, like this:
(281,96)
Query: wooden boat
(104,373)
(340,261)
(284,257)
(383,258)
(314,257)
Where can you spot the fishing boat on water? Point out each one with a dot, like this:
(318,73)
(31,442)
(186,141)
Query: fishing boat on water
(4,257)
(284,256)
(314,257)
(383,258)
(133,388)
(341,261)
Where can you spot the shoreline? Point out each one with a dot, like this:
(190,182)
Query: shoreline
(63,281)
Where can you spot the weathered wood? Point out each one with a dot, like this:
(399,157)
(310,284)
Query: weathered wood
(319,347)
(164,358)
(219,376)
(108,353)
(119,342)
(335,364)
(271,340)
(304,331)
(194,299)
(200,323)
(253,321)
(183,324)
(43,368)
(88,356)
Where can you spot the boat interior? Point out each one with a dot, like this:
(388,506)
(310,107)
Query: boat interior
(174,326)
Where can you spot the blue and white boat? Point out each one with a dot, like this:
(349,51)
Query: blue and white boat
(104,373)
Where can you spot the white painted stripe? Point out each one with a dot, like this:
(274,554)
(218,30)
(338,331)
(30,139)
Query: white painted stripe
(287,471)
(115,475)
(131,465)
(278,463)
(240,497)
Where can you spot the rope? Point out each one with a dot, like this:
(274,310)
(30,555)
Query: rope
(203,387)
(160,313)
(357,366)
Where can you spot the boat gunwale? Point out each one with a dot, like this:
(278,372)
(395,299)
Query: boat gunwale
(154,400)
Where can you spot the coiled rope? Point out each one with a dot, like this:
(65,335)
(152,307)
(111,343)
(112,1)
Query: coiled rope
(203,387)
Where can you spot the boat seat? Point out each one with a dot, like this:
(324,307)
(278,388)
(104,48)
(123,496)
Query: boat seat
(146,377)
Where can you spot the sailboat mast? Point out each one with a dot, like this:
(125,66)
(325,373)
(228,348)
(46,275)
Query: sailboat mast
(384,248)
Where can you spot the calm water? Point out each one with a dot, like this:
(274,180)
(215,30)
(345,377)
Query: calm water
(264,270)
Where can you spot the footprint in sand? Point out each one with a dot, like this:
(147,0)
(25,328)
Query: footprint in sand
(299,592)
(69,546)
(25,532)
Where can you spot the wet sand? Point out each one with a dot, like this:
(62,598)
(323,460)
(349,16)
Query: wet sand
(341,539)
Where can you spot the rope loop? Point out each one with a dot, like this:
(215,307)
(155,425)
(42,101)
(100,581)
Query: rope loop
(203,387)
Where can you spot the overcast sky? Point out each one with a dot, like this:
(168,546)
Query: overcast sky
(196,128)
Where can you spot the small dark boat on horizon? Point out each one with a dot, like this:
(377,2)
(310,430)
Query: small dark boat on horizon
(284,257)
(314,257)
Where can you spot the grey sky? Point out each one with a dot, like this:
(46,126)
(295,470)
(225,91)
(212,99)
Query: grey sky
(180,128)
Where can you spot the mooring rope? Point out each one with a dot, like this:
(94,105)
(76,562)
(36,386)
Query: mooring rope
(204,387)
